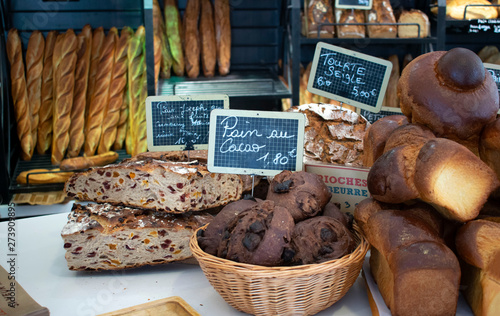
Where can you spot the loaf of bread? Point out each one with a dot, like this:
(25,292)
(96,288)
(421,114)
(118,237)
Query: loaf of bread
(157,59)
(391,98)
(207,39)
(136,68)
(487,52)
(43,176)
(160,32)
(100,96)
(379,19)
(347,17)
(489,146)
(64,63)
(107,237)
(223,35)
(408,134)
(34,68)
(320,12)
(156,184)
(141,135)
(416,273)
(333,134)
(454,180)
(451,93)
(121,126)
(376,136)
(97,42)
(418,24)
(76,130)
(44,137)
(20,94)
(173,30)
(477,245)
(470,9)
(192,38)
(82,162)
(116,93)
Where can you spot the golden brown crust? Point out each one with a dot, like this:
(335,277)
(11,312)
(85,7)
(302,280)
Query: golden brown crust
(64,75)
(320,12)
(20,94)
(207,38)
(381,12)
(159,30)
(76,134)
(43,176)
(347,17)
(489,145)
(191,38)
(223,35)
(99,101)
(34,68)
(408,134)
(77,163)
(174,36)
(44,138)
(97,42)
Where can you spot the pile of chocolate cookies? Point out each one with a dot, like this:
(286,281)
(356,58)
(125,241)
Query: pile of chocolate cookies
(295,224)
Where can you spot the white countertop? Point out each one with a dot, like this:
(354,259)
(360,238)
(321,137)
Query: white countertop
(42,271)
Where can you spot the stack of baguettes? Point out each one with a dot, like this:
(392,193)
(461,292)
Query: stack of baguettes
(75,93)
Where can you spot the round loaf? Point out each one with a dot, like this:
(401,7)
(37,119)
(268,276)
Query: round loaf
(451,93)
(410,134)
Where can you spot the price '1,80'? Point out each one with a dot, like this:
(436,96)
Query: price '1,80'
(278,158)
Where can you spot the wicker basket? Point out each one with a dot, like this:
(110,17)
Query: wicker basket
(296,290)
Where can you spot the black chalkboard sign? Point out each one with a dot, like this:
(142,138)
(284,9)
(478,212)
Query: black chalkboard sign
(180,122)
(349,77)
(354,4)
(494,70)
(253,142)
(385,111)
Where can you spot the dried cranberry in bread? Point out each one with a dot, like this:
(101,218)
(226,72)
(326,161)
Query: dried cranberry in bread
(376,135)
(174,187)
(451,93)
(478,245)
(454,180)
(302,193)
(107,237)
(332,134)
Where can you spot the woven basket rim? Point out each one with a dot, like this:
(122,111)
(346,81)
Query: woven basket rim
(306,269)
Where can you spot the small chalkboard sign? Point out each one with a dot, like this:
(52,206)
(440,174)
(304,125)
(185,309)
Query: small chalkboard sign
(181,122)
(257,143)
(384,111)
(354,4)
(349,77)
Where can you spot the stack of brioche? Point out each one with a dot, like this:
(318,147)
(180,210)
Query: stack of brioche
(434,179)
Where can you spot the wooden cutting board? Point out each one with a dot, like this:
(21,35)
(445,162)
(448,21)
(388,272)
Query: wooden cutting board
(172,306)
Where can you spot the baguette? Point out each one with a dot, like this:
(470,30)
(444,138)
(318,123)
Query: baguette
(99,101)
(191,38)
(76,131)
(20,93)
(141,141)
(207,39)
(77,163)
(121,127)
(64,84)
(116,93)
(136,68)
(159,30)
(173,31)
(34,68)
(97,42)
(44,134)
(157,54)
(223,35)
(43,176)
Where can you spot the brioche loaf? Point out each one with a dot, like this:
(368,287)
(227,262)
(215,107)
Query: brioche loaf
(207,39)
(44,137)
(116,93)
(477,245)
(223,35)
(379,18)
(416,273)
(64,82)
(34,68)
(100,96)
(408,134)
(95,55)
(121,126)
(333,134)
(347,17)
(76,130)
(320,12)
(107,237)
(191,38)
(173,29)
(419,24)
(157,185)
(451,93)
(20,94)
